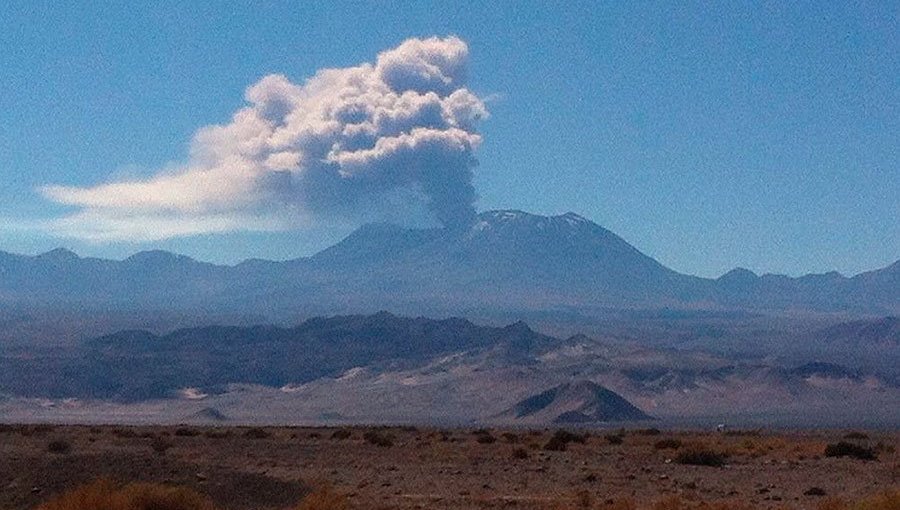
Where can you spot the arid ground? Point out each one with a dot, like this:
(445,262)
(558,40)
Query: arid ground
(274,468)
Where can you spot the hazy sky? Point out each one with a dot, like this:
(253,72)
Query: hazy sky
(707,135)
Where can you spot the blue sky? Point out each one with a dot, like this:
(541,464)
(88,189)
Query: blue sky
(708,135)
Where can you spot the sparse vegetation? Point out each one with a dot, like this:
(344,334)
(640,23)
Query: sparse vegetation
(743,433)
(59,447)
(379,438)
(186,432)
(648,432)
(701,457)
(668,444)
(399,475)
(256,433)
(856,436)
(561,438)
(39,430)
(845,449)
(484,437)
(160,445)
(615,438)
(217,433)
(341,434)
(124,433)
(510,437)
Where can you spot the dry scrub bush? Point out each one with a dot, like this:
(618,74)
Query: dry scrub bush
(160,445)
(701,457)
(59,447)
(845,449)
(679,503)
(615,438)
(324,498)
(341,434)
(377,438)
(510,437)
(561,438)
(105,495)
(217,433)
(485,438)
(256,433)
(124,433)
(667,444)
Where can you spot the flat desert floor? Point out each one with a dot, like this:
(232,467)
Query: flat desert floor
(405,468)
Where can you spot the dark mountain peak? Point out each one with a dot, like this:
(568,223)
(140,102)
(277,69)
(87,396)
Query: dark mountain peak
(383,315)
(518,327)
(507,215)
(529,232)
(58,255)
(209,414)
(579,338)
(580,401)
(523,220)
(738,274)
(830,276)
(826,370)
(157,258)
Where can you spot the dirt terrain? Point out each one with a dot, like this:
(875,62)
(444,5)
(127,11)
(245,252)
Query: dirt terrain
(274,468)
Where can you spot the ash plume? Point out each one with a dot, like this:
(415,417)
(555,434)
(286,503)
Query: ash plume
(350,143)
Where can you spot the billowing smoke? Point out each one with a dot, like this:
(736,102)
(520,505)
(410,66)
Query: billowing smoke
(348,143)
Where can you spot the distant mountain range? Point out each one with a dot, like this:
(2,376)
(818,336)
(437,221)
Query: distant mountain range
(383,368)
(137,364)
(507,260)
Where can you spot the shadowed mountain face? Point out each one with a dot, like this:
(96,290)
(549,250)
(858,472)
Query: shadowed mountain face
(507,260)
(577,402)
(865,334)
(133,365)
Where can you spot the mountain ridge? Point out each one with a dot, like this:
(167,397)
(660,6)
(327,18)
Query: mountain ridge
(507,259)
(63,253)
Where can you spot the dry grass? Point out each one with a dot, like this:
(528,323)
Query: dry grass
(888,500)
(679,503)
(105,495)
(324,498)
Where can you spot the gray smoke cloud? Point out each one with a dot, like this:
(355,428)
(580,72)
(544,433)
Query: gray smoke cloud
(347,143)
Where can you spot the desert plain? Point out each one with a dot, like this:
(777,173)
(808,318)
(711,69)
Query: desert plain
(262,468)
